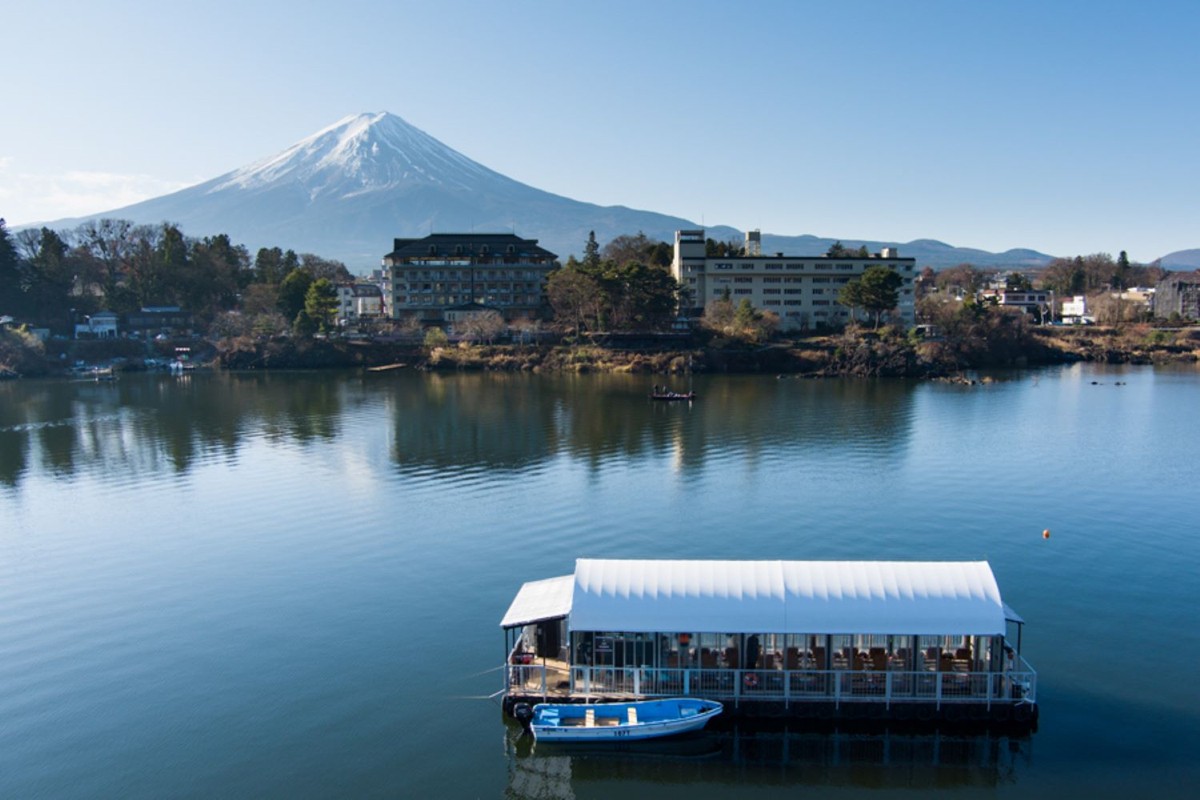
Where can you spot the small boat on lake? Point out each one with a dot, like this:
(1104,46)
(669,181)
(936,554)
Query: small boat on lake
(595,722)
(669,396)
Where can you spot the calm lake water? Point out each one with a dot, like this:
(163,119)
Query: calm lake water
(290,585)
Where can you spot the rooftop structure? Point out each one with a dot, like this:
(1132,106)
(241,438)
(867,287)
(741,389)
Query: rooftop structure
(813,637)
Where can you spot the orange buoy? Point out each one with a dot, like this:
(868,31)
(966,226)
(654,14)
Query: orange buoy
(1046,533)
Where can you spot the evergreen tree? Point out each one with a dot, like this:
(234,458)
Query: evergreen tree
(745,316)
(591,252)
(851,296)
(292,292)
(320,302)
(880,290)
(1121,276)
(49,277)
(10,274)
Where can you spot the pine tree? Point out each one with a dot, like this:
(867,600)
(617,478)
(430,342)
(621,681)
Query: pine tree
(10,274)
(591,253)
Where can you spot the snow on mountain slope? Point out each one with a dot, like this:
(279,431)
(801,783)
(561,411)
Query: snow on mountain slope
(364,152)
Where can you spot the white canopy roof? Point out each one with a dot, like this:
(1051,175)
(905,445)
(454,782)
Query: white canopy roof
(820,597)
(539,600)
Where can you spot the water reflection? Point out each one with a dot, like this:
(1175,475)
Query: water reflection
(438,422)
(712,762)
(502,421)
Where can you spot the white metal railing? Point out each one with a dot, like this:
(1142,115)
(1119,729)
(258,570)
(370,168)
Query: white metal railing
(838,686)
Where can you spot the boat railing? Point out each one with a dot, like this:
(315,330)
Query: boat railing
(527,679)
(1017,685)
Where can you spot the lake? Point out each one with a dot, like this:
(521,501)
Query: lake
(290,585)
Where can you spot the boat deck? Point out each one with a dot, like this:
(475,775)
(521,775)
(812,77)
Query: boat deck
(921,695)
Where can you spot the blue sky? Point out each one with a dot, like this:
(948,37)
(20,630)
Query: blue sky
(1068,127)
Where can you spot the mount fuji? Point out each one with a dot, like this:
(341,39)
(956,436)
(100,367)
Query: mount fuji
(346,191)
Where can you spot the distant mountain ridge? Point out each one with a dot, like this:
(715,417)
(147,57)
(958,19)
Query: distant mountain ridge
(346,191)
(1181,260)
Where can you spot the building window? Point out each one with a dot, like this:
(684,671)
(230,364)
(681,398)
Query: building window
(793,291)
(743,280)
(770,291)
(772,266)
(722,266)
(771,280)
(845,266)
(742,291)
(820,302)
(795,266)
(770,302)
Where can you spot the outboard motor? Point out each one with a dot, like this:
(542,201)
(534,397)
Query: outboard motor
(523,713)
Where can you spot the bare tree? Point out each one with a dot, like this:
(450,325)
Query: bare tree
(485,326)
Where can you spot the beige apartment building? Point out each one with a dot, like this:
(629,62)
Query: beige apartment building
(801,290)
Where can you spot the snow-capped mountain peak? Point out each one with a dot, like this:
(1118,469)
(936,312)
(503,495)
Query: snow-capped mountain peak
(361,153)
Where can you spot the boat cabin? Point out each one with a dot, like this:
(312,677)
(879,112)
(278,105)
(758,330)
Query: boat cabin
(919,640)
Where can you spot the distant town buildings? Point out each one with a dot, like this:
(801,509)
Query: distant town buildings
(357,301)
(1035,302)
(444,276)
(1075,311)
(1178,293)
(101,325)
(801,290)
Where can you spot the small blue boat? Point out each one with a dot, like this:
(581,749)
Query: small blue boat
(598,722)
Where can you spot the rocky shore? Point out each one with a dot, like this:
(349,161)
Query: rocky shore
(856,353)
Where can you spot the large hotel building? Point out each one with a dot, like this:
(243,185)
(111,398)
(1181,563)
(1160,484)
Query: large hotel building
(802,290)
(444,277)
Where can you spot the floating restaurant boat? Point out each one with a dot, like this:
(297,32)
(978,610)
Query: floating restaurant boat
(670,396)
(827,639)
(600,722)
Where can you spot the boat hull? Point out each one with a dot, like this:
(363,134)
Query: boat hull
(621,722)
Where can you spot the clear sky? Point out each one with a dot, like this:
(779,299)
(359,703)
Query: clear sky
(1068,127)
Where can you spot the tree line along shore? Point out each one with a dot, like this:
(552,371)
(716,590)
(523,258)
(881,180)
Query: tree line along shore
(614,310)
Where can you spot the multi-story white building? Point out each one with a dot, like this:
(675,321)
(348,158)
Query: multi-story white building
(801,290)
(358,300)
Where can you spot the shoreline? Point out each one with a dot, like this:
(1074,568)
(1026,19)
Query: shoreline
(856,353)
